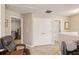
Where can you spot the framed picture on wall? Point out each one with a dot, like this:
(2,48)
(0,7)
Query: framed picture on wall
(66,25)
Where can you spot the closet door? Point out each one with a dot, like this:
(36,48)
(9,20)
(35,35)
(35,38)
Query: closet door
(42,32)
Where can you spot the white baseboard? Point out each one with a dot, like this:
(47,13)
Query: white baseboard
(29,46)
(43,44)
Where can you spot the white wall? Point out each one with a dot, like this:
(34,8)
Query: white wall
(0,10)
(2,20)
(27,29)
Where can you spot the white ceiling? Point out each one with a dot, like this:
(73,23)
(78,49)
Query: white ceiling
(58,9)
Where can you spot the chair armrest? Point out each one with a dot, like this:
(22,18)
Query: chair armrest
(25,50)
(2,50)
(21,45)
(18,45)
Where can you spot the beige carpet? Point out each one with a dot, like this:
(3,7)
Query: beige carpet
(45,50)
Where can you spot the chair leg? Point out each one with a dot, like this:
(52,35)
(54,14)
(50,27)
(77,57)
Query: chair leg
(27,52)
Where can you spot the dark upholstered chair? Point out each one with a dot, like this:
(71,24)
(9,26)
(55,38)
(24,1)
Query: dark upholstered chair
(1,47)
(64,50)
(10,46)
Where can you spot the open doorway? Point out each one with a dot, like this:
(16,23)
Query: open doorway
(16,29)
(56,29)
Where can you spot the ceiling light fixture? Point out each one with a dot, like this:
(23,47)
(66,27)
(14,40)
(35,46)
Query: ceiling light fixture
(49,11)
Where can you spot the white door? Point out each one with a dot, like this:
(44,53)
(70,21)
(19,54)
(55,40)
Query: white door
(42,31)
(56,29)
(57,26)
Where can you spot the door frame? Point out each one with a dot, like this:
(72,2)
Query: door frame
(21,26)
